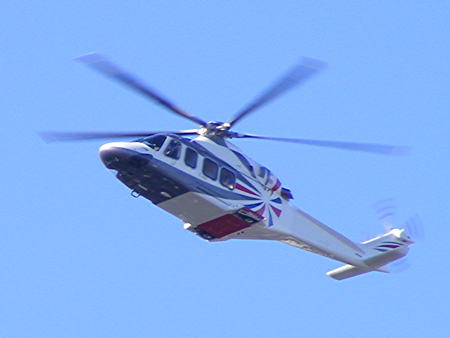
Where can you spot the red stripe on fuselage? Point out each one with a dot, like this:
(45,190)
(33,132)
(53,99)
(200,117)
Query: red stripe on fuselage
(260,211)
(244,189)
(276,211)
(392,246)
(277,185)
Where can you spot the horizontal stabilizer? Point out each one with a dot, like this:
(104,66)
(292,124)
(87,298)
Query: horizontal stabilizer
(348,271)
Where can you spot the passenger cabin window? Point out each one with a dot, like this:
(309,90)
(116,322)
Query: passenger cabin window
(190,158)
(262,172)
(271,180)
(210,168)
(155,142)
(227,178)
(173,149)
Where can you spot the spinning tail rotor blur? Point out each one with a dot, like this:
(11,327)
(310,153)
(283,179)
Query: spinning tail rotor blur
(412,231)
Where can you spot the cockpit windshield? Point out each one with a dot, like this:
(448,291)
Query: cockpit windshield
(155,141)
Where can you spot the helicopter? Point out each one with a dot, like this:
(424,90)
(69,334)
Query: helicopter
(218,192)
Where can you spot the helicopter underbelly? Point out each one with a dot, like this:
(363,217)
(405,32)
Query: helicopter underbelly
(194,207)
(209,217)
(152,185)
(190,199)
(144,175)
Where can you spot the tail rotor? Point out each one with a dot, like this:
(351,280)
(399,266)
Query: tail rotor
(411,232)
(385,211)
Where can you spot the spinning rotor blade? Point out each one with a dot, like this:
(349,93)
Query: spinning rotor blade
(385,210)
(75,136)
(107,68)
(415,228)
(412,230)
(364,147)
(301,72)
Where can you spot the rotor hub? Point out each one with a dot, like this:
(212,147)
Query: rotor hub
(215,128)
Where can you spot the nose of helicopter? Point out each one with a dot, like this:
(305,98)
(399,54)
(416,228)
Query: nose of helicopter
(113,153)
(121,155)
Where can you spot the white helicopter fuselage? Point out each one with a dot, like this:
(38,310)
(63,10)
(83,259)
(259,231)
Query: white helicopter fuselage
(221,194)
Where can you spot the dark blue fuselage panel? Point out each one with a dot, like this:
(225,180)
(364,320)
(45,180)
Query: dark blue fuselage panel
(156,180)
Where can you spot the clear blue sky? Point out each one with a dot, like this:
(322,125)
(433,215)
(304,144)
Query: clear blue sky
(80,257)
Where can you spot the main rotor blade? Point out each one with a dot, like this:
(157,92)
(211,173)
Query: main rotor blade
(354,146)
(104,66)
(75,136)
(300,73)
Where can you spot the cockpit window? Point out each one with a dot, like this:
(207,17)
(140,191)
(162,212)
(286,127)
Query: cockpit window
(210,168)
(190,157)
(155,141)
(227,178)
(173,149)
(245,162)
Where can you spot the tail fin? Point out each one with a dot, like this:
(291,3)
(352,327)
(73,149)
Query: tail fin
(379,251)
